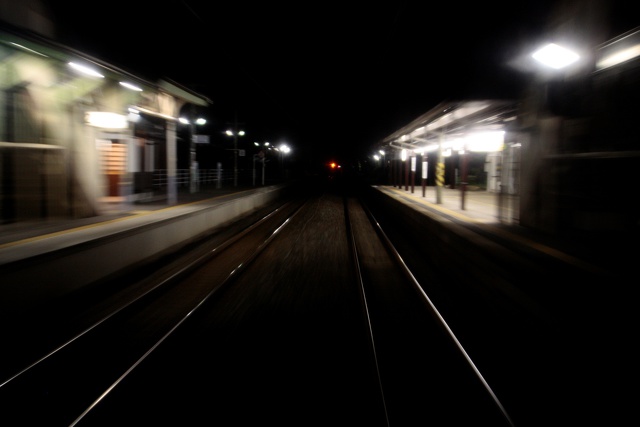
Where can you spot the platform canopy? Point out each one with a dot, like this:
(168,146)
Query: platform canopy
(473,125)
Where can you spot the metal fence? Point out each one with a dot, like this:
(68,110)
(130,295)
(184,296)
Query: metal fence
(210,177)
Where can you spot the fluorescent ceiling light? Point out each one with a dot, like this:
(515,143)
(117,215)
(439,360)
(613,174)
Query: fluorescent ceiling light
(619,57)
(28,50)
(85,70)
(106,120)
(131,86)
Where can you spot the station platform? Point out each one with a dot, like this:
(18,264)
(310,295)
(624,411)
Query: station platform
(71,254)
(480,206)
(16,233)
(483,208)
(473,205)
(605,251)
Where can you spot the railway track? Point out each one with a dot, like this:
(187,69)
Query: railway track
(548,329)
(93,347)
(415,345)
(308,317)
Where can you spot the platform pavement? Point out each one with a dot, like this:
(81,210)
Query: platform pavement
(15,232)
(473,205)
(613,251)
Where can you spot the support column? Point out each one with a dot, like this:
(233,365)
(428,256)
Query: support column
(405,165)
(413,173)
(425,168)
(464,175)
(172,193)
(192,150)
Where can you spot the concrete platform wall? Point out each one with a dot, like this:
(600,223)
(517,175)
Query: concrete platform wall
(70,262)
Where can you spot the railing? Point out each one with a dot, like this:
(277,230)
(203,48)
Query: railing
(217,177)
(160,178)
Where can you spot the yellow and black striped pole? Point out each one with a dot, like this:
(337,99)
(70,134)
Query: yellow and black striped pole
(440,171)
(439,178)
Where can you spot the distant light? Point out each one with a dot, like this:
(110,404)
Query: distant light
(376,157)
(381,152)
(241,133)
(285,148)
(403,155)
(131,86)
(106,120)
(555,56)
(183,120)
(201,121)
(85,70)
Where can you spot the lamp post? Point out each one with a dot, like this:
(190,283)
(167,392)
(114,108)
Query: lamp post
(193,166)
(261,155)
(381,166)
(535,180)
(383,163)
(235,133)
(284,149)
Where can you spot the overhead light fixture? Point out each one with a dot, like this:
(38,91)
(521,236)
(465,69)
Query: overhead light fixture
(488,141)
(140,109)
(199,121)
(555,56)
(619,57)
(106,120)
(131,86)
(85,70)
(28,50)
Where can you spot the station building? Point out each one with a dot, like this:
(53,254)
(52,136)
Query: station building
(78,135)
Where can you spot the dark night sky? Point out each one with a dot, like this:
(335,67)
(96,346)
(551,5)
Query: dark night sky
(330,78)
